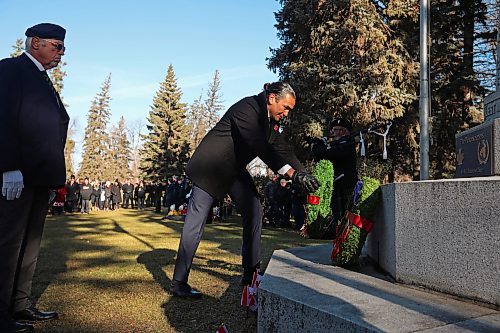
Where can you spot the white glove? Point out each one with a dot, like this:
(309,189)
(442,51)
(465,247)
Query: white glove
(12,184)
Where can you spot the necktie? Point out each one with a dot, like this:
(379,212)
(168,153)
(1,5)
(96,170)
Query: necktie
(49,82)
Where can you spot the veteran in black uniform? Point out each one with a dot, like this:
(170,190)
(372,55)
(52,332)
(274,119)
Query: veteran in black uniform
(33,130)
(340,149)
(250,128)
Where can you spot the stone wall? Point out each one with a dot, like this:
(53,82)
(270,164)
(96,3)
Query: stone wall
(444,235)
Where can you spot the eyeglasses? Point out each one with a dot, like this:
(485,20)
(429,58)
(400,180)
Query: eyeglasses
(58,46)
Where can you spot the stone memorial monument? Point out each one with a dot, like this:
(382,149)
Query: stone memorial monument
(438,239)
(478,149)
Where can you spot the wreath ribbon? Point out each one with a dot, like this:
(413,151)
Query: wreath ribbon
(339,240)
(359,221)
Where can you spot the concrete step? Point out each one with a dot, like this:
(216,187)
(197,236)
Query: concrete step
(302,292)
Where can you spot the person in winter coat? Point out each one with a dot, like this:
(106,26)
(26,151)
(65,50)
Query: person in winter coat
(86,192)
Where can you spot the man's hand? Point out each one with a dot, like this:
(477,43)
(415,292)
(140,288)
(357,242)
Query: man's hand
(12,184)
(307,180)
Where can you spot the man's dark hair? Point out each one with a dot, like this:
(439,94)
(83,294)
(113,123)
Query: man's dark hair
(279,88)
(72,177)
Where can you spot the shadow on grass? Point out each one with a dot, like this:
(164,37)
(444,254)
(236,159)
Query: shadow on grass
(53,256)
(208,313)
(67,235)
(154,261)
(229,235)
(76,242)
(202,315)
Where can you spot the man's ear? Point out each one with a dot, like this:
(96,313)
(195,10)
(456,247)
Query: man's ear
(35,43)
(271,98)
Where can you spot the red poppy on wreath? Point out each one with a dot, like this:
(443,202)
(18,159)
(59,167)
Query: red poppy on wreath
(313,199)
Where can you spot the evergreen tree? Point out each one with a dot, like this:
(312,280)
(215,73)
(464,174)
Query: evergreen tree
(213,104)
(134,135)
(96,141)
(204,115)
(69,149)
(119,152)
(164,151)
(459,40)
(57,76)
(18,48)
(197,124)
(344,60)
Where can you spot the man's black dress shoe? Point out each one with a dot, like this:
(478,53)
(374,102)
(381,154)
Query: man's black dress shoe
(12,326)
(184,290)
(32,315)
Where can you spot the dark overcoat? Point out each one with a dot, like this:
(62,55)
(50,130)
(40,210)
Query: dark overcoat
(243,133)
(33,124)
(343,156)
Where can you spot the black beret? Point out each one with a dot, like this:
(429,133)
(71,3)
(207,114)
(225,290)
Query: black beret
(46,30)
(341,122)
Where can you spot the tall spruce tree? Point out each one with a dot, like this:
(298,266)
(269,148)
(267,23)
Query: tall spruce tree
(213,103)
(485,32)
(457,54)
(96,141)
(134,134)
(18,48)
(119,155)
(164,152)
(344,60)
(203,115)
(69,149)
(197,122)
(57,76)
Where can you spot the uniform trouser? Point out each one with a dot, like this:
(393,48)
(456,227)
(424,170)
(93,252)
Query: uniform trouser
(245,196)
(21,228)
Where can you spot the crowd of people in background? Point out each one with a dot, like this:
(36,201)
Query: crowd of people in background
(80,195)
(84,196)
(282,199)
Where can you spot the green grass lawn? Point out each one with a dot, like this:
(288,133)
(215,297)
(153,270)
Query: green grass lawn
(111,272)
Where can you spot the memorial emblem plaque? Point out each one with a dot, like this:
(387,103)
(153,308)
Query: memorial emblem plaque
(474,152)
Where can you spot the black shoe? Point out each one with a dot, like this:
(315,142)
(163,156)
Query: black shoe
(32,315)
(184,290)
(12,326)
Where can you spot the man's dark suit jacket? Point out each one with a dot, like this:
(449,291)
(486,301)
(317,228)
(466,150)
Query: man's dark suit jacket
(243,133)
(33,127)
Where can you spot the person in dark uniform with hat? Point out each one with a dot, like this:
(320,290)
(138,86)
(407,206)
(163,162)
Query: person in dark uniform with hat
(250,128)
(340,149)
(33,131)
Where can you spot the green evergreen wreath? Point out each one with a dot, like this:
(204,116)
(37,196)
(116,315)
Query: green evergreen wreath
(365,207)
(317,215)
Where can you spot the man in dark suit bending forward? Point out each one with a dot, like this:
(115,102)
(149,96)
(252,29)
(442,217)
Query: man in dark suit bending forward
(250,128)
